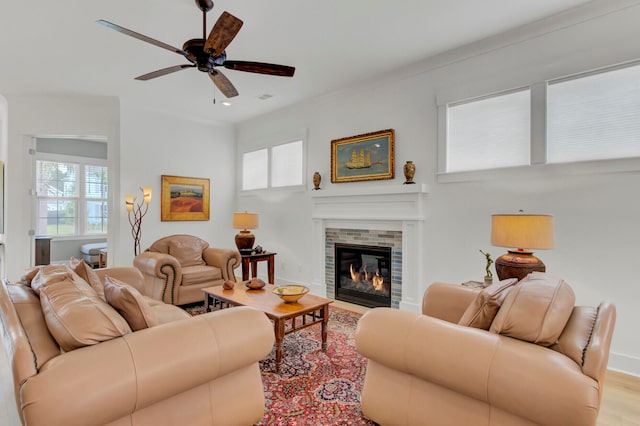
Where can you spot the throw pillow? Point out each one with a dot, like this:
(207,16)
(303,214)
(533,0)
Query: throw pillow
(129,303)
(77,317)
(87,273)
(29,275)
(481,312)
(49,274)
(188,252)
(536,310)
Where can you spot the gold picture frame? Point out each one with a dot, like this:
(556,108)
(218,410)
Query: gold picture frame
(369,156)
(184,198)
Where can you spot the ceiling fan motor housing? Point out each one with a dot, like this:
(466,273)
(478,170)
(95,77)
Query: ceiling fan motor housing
(204,61)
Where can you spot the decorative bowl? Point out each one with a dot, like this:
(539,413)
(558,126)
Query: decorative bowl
(254,284)
(291,293)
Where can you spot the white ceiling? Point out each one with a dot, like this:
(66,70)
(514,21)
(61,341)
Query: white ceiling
(55,47)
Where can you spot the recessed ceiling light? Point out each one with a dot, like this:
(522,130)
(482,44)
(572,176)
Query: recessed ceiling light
(265,96)
(226,103)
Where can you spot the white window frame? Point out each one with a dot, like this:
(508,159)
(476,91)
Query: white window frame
(539,165)
(269,144)
(81,216)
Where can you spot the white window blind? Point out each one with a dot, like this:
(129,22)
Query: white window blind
(594,117)
(286,164)
(488,133)
(254,169)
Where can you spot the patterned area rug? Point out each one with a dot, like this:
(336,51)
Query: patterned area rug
(315,387)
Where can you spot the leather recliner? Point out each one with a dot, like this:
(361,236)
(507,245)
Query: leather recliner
(176,268)
(426,369)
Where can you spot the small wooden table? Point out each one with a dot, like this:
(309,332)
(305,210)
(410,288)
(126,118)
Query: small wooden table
(287,317)
(253,259)
(102,258)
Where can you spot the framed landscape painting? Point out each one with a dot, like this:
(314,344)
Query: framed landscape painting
(363,157)
(184,198)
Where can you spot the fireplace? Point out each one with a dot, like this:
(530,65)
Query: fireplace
(363,274)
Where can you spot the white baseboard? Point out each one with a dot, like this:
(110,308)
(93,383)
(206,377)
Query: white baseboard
(624,363)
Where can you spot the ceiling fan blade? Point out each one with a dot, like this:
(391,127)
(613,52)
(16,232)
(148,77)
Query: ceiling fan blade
(260,68)
(163,71)
(145,38)
(222,33)
(223,84)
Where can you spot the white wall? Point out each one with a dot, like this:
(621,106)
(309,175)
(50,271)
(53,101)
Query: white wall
(141,147)
(154,145)
(31,116)
(596,214)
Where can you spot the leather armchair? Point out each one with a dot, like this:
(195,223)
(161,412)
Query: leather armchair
(176,268)
(426,369)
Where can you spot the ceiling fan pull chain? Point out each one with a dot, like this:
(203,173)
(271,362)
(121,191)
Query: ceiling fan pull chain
(214,94)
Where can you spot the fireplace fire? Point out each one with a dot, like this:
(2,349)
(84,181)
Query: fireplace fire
(363,274)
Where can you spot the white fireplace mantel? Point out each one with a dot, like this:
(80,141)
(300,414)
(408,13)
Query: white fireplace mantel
(382,208)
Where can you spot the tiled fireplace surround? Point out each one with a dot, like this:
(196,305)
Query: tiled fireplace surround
(387,216)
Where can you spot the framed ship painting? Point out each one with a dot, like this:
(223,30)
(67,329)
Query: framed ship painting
(363,157)
(184,198)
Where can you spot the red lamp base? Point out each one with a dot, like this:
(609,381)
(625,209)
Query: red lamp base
(517,264)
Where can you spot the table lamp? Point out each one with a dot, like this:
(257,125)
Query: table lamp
(244,238)
(521,233)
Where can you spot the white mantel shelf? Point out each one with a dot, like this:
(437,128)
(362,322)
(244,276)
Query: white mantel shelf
(387,203)
(335,191)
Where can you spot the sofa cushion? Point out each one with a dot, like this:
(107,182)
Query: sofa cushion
(536,310)
(129,303)
(200,274)
(76,316)
(165,312)
(188,251)
(483,309)
(87,273)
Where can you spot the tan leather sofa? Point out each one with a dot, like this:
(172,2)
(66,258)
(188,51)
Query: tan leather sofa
(184,370)
(429,370)
(176,268)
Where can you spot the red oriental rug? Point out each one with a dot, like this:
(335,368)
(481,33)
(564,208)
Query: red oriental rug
(315,387)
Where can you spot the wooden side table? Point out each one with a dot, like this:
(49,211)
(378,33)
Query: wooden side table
(102,260)
(253,259)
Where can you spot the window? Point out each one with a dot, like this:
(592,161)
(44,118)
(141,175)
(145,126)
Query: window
(286,164)
(488,133)
(594,117)
(254,169)
(586,117)
(71,198)
(275,167)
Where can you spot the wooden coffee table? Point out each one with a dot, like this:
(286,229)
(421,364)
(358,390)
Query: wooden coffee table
(287,317)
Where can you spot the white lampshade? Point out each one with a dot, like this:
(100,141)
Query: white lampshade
(128,201)
(245,220)
(146,193)
(522,231)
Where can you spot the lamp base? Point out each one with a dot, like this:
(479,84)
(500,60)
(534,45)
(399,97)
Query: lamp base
(244,241)
(517,264)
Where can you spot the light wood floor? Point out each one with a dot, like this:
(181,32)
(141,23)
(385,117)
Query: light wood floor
(620,401)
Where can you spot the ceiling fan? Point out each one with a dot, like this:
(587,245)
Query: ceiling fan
(208,53)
